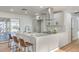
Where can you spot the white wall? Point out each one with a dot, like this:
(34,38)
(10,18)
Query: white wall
(78,27)
(75,27)
(67,24)
(24,19)
(59,17)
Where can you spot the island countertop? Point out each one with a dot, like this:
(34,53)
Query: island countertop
(45,42)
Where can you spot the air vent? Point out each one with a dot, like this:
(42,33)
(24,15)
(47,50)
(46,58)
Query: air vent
(58,11)
(24,9)
(43,13)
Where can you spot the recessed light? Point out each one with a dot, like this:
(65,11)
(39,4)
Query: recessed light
(36,14)
(24,9)
(75,11)
(11,10)
(41,6)
(37,17)
(26,12)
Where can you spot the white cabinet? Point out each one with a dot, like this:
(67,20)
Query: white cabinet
(42,44)
(46,43)
(51,42)
(63,39)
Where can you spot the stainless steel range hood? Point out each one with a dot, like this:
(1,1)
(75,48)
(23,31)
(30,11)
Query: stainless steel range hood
(50,13)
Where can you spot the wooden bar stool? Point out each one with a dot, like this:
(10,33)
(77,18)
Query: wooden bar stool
(15,39)
(24,44)
(15,44)
(29,45)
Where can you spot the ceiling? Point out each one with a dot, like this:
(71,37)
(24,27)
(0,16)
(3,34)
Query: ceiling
(35,9)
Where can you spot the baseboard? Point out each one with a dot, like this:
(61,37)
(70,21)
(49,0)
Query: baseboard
(75,38)
(55,50)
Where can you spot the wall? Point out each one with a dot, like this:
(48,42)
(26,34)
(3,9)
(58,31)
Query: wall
(59,17)
(78,26)
(67,24)
(75,27)
(24,19)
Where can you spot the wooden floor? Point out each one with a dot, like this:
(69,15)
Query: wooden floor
(4,47)
(72,47)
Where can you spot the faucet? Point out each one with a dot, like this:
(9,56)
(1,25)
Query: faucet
(27,28)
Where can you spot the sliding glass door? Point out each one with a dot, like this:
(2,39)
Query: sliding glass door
(8,26)
(2,27)
(3,30)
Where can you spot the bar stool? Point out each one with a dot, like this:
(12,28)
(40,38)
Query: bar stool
(14,44)
(9,41)
(29,45)
(24,44)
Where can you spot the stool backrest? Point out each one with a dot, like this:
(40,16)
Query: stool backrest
(15,39)
(10,37)
(22,43)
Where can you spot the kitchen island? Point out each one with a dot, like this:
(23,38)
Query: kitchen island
(43,42)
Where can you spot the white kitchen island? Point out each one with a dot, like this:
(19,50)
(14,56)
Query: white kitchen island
(43,42)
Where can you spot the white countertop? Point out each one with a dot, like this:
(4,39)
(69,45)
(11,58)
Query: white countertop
(33,34)
(43,42)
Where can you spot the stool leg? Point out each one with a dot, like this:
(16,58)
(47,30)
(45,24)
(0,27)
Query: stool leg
(30,48)
(24,49)
(9,44)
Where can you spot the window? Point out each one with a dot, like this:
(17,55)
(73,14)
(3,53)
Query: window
(2,27)
(14,25)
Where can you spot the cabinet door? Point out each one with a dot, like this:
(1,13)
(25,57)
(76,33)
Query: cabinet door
(53,42)
(47,43)
(63,39)
(42,44)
